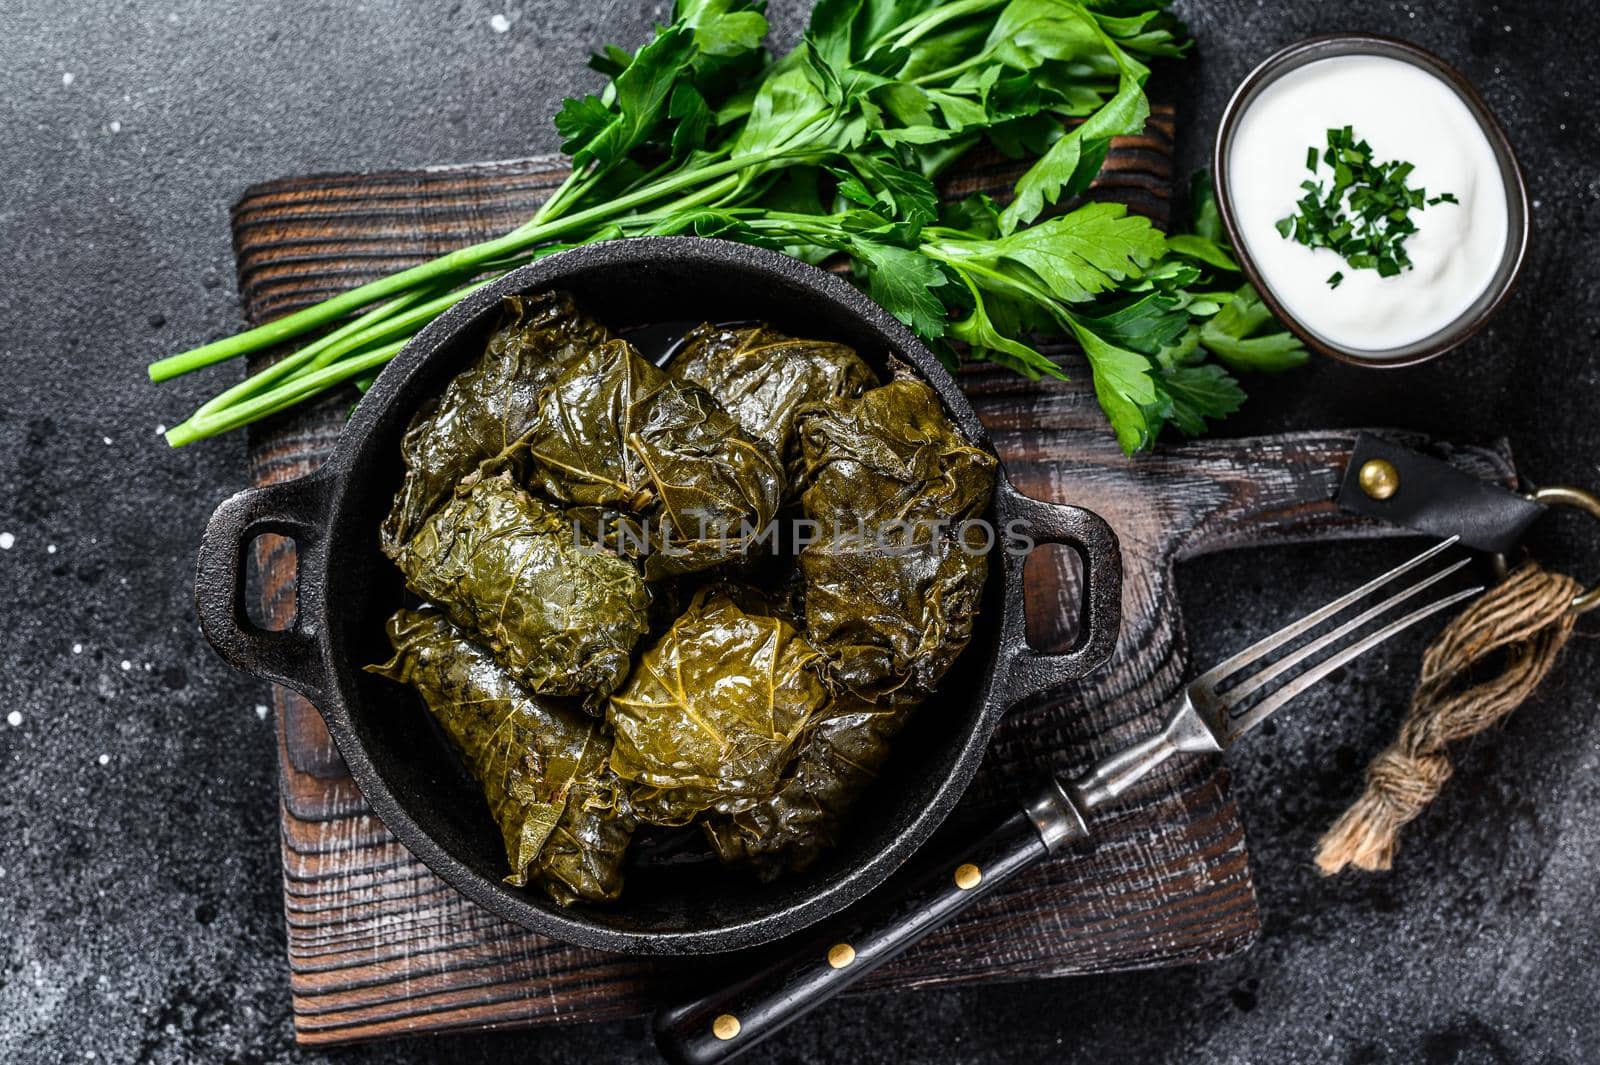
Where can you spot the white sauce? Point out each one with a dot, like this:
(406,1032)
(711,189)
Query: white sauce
(1405,113)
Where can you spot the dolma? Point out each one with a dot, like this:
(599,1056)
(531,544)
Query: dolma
(888,458)
(562,616)
(793,828)
(892,618)
(890,590)
(543,766)
(483,412)
(714,711)
(615,433)
(763,378)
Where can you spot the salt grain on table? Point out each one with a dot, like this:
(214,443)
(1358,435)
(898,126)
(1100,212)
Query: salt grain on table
(6,540)
(14,719)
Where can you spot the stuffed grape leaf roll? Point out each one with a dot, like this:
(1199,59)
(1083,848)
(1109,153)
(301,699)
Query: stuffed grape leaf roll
(542,765)
(890,457)
(714,711)
(562,616)
(615,433)
(763,378)
(890,590)
(483,412)
(793,828)
(891,618)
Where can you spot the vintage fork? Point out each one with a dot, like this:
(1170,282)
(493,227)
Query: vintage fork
(1212,712)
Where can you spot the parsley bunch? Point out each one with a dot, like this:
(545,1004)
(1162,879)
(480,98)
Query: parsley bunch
(1365,214)
(833,149)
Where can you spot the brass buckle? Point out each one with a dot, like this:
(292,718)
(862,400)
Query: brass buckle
(1561,496)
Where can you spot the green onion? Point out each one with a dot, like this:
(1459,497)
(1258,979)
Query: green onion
(1364,215)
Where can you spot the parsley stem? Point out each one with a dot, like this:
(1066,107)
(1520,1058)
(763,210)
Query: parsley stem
(914,29)
(569,188)
(950,71)
(404,325)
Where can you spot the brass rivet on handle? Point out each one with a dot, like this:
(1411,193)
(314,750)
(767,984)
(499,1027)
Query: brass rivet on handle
(840,955)
(725,1027)
(968,876)
(1378,478)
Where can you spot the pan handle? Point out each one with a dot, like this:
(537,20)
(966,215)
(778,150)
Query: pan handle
(1025,673)
(296,509)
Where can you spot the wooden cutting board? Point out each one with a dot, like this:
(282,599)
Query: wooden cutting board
(378,946)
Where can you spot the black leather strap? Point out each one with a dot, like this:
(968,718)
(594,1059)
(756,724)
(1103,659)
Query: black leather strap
(1434,497)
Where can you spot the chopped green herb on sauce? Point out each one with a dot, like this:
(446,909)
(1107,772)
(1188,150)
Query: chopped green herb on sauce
(1365,214)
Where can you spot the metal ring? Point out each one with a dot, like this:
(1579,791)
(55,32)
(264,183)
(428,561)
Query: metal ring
(1577,498)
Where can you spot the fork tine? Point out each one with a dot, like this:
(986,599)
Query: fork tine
(1266,707)
(1293,631)
(1263,676)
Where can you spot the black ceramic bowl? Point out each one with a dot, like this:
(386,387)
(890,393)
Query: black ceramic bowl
(1475,316)
(346,588)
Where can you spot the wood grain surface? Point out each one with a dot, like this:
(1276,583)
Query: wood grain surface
(378,946)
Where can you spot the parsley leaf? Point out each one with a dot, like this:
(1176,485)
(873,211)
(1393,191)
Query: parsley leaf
(833,150)
(1123,385)
(1195,393)
(640,96)
(1073,256)
(1149,325)
(979,332)
(890,186)
(724,28)
(1238,335)
(904,282)
(1073,161)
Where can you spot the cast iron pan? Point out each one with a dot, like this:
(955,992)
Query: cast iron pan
(346,588)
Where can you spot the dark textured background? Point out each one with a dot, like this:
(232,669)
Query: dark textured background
(139,896)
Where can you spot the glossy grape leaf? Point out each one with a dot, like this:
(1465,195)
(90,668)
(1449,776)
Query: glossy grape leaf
(890,456)
(478,419)
(889,590)
(614,433)
(714,711)
(891,612)
(763,378)
(838,761)
(561,615)
(542,765)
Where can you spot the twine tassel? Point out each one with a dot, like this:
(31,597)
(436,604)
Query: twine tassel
(1529,617)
